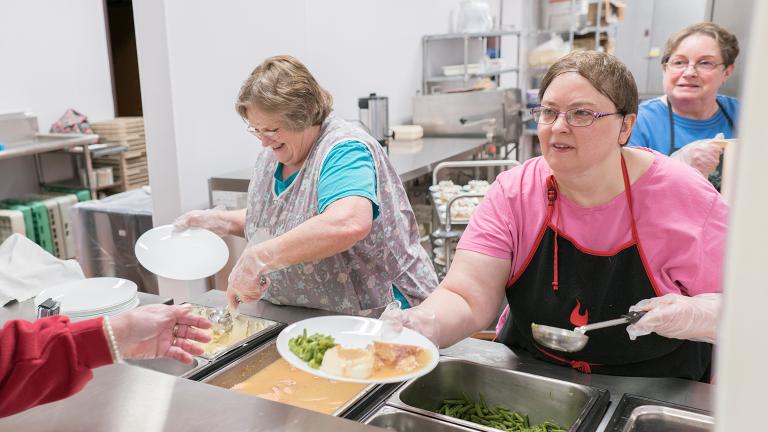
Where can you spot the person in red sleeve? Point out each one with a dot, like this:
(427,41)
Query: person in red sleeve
(52,358)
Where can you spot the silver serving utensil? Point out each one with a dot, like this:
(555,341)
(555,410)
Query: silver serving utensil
(223,318)
(576,339)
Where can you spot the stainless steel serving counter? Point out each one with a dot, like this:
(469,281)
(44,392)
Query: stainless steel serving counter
(415,158)
(679,391)
(123,397)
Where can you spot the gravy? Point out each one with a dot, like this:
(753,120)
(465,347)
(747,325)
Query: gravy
(382,371)
(284,383)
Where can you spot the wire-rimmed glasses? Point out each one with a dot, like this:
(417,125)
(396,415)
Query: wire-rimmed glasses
(679,65)
(578,117)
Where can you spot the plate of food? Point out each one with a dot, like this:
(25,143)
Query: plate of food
(350,348)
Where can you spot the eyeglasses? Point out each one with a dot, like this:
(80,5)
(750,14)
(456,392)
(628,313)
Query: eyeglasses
(271,134)
(578,117)
(679,65)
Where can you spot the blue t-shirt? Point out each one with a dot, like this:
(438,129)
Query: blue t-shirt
(348,170)
(652,127)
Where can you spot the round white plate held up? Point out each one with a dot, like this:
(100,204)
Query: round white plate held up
(190,254)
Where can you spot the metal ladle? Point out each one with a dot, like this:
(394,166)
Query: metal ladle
(575,340)
(223,318)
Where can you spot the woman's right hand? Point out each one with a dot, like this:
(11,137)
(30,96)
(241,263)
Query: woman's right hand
(417,318)
(158,330)
(213,220)
(248,281)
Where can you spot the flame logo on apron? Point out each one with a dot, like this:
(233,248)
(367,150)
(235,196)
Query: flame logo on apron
(577,318)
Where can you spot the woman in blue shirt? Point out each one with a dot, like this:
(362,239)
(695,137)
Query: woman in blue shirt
(697,61)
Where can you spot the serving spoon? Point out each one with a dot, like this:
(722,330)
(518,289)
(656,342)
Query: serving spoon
(576,339)
(223,318)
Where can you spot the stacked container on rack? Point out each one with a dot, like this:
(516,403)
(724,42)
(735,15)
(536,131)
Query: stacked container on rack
(129,168)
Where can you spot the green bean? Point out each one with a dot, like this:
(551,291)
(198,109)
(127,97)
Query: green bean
(493,416)
(311,349)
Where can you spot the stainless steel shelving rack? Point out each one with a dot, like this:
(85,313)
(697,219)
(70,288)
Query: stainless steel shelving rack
(429,79)
(450,230)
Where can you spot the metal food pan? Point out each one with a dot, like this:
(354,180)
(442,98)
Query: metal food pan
(574,406)
(258,359)
(257,329)
(403,421)
(639,414)
(171,366)
(652,418)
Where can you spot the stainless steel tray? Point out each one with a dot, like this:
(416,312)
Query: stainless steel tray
(251,363)
(577,407)
(257,329)
(403,421)
(640,414)
(170,366)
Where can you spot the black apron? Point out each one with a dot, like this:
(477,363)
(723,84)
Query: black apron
(716,177)
(565,285)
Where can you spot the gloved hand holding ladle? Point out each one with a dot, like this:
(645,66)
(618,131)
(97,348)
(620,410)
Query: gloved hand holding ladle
(576,339)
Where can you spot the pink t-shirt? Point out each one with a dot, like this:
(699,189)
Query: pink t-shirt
(681,223)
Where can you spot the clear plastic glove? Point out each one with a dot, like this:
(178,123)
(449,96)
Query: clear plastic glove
(212,219)
(704,155)
(249,281)
(160,331)
(416,318)
(680,317)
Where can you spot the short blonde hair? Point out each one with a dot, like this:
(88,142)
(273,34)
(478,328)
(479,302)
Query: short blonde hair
(605,72)
(729,44)
(284,86)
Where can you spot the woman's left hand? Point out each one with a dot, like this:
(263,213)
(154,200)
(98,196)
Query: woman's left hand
(704,155)
(679,317)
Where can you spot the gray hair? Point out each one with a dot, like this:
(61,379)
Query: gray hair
(729,44)
(284,86)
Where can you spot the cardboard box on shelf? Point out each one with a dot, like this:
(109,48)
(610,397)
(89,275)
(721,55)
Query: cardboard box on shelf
(587,42)
(611,12)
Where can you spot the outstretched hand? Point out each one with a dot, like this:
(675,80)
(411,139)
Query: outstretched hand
(160,331)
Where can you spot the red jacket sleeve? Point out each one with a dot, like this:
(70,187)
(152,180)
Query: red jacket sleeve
(48,360)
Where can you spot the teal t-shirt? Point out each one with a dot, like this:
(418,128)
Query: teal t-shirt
(348,170)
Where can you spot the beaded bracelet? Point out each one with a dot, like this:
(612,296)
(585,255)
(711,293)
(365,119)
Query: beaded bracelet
(113,349)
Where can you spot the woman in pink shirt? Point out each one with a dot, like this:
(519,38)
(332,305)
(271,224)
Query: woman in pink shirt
(586,232)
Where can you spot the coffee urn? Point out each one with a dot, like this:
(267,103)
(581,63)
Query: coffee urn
(374,114)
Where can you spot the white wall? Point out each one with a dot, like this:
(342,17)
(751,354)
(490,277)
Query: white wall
(353,47)
(194,55)
(741,376)
(54,56)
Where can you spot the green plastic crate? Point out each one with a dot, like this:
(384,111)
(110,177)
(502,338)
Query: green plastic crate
(40,223)
(81,194)
(27,212)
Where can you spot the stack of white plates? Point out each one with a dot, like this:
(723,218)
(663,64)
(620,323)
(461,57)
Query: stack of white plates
(90,298)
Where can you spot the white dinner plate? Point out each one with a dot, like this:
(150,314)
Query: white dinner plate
(353,331)
(190,254)
(128,306)
(90,296)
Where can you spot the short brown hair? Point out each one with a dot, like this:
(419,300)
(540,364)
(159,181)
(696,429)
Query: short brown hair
(284,86)
(729,44)
(606,73)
